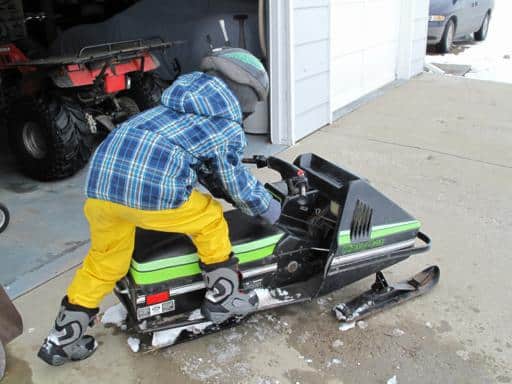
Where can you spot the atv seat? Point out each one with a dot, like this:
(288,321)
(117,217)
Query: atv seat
(153,245)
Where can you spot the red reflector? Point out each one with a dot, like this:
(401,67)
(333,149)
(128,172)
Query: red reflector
(115,83)
(73,67)
(300,173)
(157,298)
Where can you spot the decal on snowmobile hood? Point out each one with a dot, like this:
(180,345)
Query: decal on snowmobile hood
(201,94)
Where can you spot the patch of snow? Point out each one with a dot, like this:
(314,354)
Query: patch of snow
(115,315)
(168,337)
(362,324)
(346,326)
(134,344)
(321,302)
(233,336)
(227,354)
(199,328)
(266,299)
(397,332)
(195,315)
(428,324)
(337,343)
(392,380)
(308,361)
(31,330)
(464,355)
(333,361)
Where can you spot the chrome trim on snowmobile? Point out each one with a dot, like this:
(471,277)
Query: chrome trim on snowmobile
(187,288)
(200,285)
(259,271)
(360,256)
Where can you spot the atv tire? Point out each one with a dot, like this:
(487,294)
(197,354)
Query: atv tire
(50,138)
(128,106)
(147,90)
(4,217)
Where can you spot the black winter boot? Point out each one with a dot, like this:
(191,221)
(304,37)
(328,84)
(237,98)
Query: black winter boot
(223,298)
(67,340)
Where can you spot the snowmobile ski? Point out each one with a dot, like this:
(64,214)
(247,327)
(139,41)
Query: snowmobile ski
(382,295)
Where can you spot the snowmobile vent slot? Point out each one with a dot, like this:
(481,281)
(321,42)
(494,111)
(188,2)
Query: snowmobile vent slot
(325,176)
(361,224)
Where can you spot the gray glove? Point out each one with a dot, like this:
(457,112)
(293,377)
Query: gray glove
(271,215)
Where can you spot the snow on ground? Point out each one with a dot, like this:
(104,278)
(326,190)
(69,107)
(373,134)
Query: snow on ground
(134,344)
(491,59)
(115,315)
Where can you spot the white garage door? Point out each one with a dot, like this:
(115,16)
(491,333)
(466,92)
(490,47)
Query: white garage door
(364,47)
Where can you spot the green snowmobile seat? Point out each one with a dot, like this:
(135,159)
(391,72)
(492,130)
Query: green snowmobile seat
(154,245)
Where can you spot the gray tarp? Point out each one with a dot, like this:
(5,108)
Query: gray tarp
(188,20)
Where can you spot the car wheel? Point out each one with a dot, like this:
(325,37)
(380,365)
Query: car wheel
(446,43)
(481,34)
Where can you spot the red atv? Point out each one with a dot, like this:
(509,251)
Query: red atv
(55,106)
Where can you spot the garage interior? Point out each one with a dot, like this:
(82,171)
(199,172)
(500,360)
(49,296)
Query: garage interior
(49,213)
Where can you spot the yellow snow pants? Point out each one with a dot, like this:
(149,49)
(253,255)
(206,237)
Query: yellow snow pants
(112,228)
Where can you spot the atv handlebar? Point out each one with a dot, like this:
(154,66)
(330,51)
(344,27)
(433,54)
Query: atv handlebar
(294,177)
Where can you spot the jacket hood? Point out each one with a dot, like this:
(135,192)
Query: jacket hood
(201,94)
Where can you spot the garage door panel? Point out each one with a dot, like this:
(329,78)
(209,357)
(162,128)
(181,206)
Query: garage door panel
(311,120)
(347,85)
(379,66)
(310,3)
(311,92)
(311,59)
(381,23)
(346,26)
(311,25)
(366,60)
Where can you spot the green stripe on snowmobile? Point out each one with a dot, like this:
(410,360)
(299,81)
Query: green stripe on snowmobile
(380,231)
(193,257)
(187,270)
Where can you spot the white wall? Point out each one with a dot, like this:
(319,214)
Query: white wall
(326,54)
(310,65)
(419,36)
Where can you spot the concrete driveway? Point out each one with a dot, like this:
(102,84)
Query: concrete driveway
(439,146)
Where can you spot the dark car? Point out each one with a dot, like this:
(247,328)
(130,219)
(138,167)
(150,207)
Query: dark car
(453,19)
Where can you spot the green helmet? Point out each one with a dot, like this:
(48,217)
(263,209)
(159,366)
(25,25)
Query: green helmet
(244,74)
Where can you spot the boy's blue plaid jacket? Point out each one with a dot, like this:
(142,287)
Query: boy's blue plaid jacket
(151,161)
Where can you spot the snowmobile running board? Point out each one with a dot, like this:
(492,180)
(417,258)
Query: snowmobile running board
(384,295)
(195,325)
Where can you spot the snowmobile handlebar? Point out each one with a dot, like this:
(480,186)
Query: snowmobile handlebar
(294,177)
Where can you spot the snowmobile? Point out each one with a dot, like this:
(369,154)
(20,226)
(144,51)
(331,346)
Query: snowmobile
(335,229)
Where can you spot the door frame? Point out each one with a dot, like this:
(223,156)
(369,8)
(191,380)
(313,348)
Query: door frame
(281,71)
